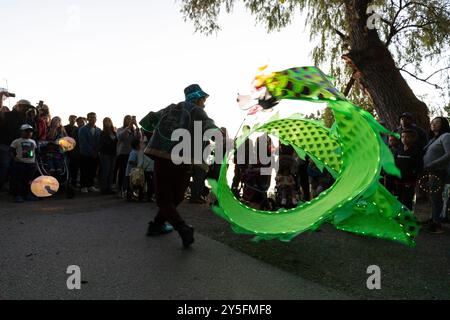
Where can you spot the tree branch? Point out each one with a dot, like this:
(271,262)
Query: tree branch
(419,26)
(427,78)
(436,72)
(349,86)
(343,36)
(393,31)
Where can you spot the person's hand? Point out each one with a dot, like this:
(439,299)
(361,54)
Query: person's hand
(6,94)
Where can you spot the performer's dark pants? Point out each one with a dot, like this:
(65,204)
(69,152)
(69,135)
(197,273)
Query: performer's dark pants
(198,182)
(150,181)
(171,182)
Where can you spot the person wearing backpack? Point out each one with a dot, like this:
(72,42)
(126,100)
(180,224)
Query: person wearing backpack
(172,180)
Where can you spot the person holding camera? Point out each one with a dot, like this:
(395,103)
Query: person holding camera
(125,135)
(10,124)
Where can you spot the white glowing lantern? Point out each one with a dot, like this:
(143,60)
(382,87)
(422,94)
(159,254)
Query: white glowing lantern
(44,186)
(67,144)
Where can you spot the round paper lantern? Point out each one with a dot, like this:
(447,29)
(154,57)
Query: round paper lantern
(44,186)
(67,144)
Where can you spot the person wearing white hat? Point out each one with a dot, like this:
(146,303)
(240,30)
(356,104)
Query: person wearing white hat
(23,151)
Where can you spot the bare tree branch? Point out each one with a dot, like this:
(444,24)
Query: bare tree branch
(437,71)
(349,86)
(427,78)
(393,30)
(418,26)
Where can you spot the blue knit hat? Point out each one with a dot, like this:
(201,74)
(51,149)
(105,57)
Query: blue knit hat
(194,92)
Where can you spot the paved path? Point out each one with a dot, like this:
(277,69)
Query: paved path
(38,241)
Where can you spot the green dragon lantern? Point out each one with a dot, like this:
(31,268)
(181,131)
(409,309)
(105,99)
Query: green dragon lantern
(352,151)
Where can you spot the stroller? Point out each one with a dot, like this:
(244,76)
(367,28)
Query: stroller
(51,161)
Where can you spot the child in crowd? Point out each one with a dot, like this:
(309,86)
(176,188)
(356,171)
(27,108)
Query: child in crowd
(23,152)
(133,161)
(408,158)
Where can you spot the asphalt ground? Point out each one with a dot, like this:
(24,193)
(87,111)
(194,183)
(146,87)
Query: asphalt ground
(105,237)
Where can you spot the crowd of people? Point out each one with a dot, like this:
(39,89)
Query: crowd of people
(101,156)
(424,163)
(136,164)
(128,161)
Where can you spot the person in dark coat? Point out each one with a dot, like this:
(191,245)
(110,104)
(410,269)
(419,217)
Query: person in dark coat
(107,154)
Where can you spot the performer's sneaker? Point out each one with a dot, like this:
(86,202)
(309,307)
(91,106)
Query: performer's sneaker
(187,235)
(157,230)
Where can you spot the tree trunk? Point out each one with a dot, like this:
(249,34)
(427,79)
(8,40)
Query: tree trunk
(379,76)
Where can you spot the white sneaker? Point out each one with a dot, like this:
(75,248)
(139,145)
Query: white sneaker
(84,190)
(93,189)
